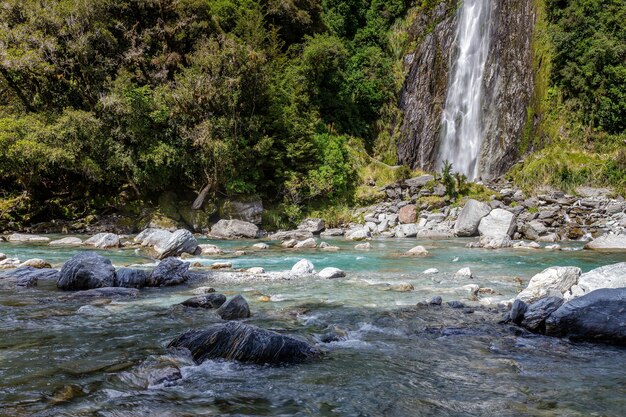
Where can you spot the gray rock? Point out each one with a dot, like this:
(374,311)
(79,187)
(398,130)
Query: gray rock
(23,238)
(497,223)
(534,229)
(313,225)
(435,301)
(551,281)
(28,276)
(306,244)
(330,272)
(235,308)
(467,223)
(152,236)
(333,232)
(85,271)
(181,241)
(131,278)
(212,300)
(67,241)
(170,271)
(418,182)
(302,267)
(608,276)
(103,241)
(537,313)
(297,235)
(244,343)
(516,315)
(358,234)
(608,242)
(233,229)
(599,316)
(248,210)
(406,230)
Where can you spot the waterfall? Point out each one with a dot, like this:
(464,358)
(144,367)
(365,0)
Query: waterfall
(462,130)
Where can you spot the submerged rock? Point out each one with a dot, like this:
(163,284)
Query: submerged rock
(170,271)
(597,316)
(131,278)
(86,270)
(245,343)
(27,276)
(106,292)
(212,300)
(236,308)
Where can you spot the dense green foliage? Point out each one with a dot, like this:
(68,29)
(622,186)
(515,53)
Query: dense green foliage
(248,96)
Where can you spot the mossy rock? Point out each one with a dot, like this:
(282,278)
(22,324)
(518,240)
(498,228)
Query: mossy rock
(198,220)
(248,209)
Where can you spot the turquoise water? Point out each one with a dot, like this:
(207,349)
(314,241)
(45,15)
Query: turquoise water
(66,357)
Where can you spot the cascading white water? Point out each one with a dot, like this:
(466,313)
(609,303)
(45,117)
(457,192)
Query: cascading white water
(462,132)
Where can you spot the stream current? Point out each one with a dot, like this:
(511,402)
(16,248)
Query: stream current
(69,357)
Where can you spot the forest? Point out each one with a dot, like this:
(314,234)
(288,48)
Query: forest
(105,101)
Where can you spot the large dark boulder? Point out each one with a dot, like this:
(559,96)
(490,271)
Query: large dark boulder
(537,313)
(170,271)
(86,270)
(27,276)
(213,300)
(131,278)
(236,308)
(245,343)
(597,316)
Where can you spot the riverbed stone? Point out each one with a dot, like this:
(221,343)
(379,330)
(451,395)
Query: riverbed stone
(417,251)
(106,292)
(430,271)
(406,230)
(597,316)
(131,278)
(241,342)
(407,214)
(358,234)
(212,300)
(170,271)
(24,238)
(290,243)
(537,313)
(464,273)
(497,223)
(302,267)
(608,242)
(234,229)
(313,225)
(86,270)
(234,309)
(363,246)
(36,263)
(261,246)
(103,241)
(472,213)
(556,279)
(330,273)
(27,276)
(306,244)
(256,270)
(181,241)
(296,235)
(208,249)
(328,247)
(608,276)
(66,241)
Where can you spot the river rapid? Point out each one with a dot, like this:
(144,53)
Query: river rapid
(69,357)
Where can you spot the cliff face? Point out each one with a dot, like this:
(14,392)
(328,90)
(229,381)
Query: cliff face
(424,93)
(507,85)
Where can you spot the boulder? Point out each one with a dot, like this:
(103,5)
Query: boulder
(430,271)
(235,308)
(36,263)
(302,267)
(249,210)
(518,309)
(406,230)
(358,234)
(608,276)
(28,276)
(152,236)
(234,229)
(417,251)
(597,316)
(464,273)
(556,280)
(408,214)
(534,229)
(333,232)
(67,241)
(103,241)
(313,225)
(131,278)
(467,223)
(330,272)
(85,271)
(537,313)
(170,271)
(23,238)
(181,241)
(212,300)
(497,223)
(493,242)
(285,235)
(306,244)
(288,244)
(244,343)
(608,242)
(206,249)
